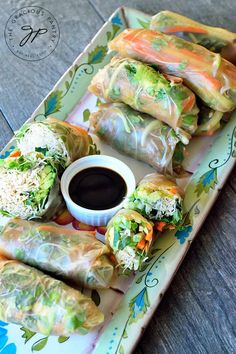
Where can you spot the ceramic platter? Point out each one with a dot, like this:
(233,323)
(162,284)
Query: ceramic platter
(130,303)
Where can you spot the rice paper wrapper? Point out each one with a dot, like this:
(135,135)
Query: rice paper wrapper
(73,255)
(216,39)
(72,142)
(43,304)
(138,135)
(210,76)
(146,90)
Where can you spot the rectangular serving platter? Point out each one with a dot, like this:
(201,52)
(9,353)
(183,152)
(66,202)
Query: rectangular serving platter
(130,302)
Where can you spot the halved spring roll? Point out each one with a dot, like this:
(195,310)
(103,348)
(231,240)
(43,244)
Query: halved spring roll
(69,254)
(211,77)
(216,39)
(158,198)
(129,235)
(29,187)
(43,304)
(61,141)
(139,136)
(146,90)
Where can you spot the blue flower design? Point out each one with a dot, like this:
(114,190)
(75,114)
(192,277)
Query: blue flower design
(6,154)
(9,348)
(116,20)
(182,234)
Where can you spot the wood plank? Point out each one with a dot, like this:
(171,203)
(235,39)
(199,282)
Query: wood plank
(215,13)
(25,83)
(6,131)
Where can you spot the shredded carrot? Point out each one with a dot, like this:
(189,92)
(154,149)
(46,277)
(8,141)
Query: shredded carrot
(173,190)
(148,237)
(146,247)
(141,244)
(76,127)
(175,29)
(112,258)
(160,225)
(15,153)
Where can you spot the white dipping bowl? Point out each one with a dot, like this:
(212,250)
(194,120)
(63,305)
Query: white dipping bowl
(88,216)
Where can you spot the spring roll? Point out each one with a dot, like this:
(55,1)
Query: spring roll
(216,39)
(129,235)
(139,136)
(61,141)
(158,198)
(146,90)
(69,254)
(43,304)
(211,77)
(209,121)
(29,187)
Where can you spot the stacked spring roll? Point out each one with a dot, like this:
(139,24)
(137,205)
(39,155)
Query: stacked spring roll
(70,254)
(158,198)
(130,236)
(217,40)
(210,76)
(139,136)
(43,304)
(146,90)
(57,140)
(29,187)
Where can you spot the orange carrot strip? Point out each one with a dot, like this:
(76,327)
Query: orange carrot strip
(141,244)
(161,225)
(185,29)
(174,190)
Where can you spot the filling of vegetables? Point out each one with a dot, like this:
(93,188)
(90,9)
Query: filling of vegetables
(157,205)
(130,240)
(39,138)
(25,186)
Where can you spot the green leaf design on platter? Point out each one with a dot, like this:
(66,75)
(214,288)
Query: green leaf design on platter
(115,29)
(206,182)
(97,55)
(67,85)
(28,334)
(62,339)
(109,36)
(121,349)
(40,344)
(140,279)
(53,103)
(86,114)
(139,305)
(144,24)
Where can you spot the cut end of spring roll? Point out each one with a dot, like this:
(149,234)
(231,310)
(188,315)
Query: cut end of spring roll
(55,139)
(210,76)
(158,198)
(29,187)
(130,236)
(43,304)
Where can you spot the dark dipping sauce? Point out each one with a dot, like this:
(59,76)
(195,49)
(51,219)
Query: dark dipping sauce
(97,188)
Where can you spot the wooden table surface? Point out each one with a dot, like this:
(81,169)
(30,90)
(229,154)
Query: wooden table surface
(198,311)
